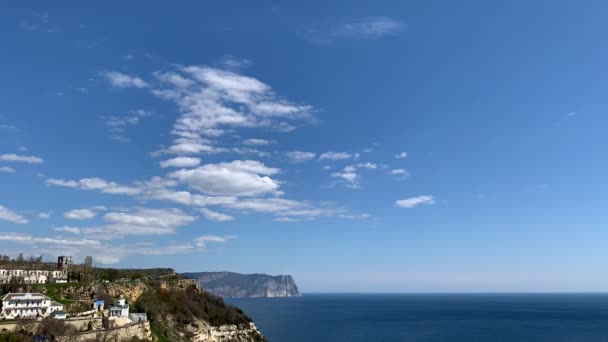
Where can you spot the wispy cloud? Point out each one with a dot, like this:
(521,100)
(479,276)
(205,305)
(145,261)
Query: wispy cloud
(21,159)
(258,142)
(335,156)
(120,80)
(363,28)
(7,169)
(300,156)
(401,155)
(215,216)
(213,101)
(79,214)
(117,125)
(415,201)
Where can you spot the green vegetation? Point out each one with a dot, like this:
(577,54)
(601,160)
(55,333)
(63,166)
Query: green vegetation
(170,311)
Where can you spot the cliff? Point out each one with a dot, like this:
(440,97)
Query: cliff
(177,309)
(234,285)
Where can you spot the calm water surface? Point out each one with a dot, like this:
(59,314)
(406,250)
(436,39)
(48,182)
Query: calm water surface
(431,317)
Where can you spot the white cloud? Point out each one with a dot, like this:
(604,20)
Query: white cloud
(107,253)
(399,172)
(29,239)
(300,156)
(236,178)
(79,214)
(201,241)
(415,201)
(372,27)
(401,155)
(215,216)
(117,125)
(364,28)
(7,169)
(120,80)
(45,215)
(213,101)
(350,177)
(369,166)
(95,184)
(180,162)
(233,63)
(258,142)
(68,229)
(335,156)
(144,217)
(8,127)
(19,158)
(8,215)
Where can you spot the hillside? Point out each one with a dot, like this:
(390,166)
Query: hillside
(177,309)
(234,285)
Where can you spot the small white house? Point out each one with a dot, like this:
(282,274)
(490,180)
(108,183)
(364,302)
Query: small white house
(28,305)
(119,308)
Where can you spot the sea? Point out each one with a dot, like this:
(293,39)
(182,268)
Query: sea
(430,317)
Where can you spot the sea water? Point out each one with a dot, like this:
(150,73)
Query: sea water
(431,317)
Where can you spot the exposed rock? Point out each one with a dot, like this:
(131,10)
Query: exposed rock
(235,285)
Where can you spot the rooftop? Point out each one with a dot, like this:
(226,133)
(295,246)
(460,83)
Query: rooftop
(25,296)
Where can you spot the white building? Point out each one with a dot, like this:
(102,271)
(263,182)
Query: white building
(28,305)
(119,309)
(32,276)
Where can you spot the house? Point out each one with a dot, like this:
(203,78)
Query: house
(118,314)
(119,308)
(28,305)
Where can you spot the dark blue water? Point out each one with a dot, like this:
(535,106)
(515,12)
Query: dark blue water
(431,317)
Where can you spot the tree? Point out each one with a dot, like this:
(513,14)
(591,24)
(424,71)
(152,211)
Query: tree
(20,258)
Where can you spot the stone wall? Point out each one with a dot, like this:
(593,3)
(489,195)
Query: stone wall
(125,333)
(32,326)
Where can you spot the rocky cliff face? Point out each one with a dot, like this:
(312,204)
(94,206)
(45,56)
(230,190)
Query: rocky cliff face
(235,285)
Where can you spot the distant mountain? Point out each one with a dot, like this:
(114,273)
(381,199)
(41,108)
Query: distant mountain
(235,285)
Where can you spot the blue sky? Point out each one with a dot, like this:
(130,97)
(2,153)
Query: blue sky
(359,146)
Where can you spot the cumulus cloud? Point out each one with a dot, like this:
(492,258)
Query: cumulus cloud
(120,80)
(21,159)
(401,155)
(8,215)
(300,156)
(7,169)
(415,201)
(180,162)
(79,214)
(236,178)
(145,221)
(335,156)
(215,216)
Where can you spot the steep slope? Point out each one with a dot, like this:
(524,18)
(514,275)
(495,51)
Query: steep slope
(229,284)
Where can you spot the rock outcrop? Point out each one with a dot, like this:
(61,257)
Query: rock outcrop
(235,285)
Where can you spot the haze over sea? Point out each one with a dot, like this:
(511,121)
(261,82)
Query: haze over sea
(431,317)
